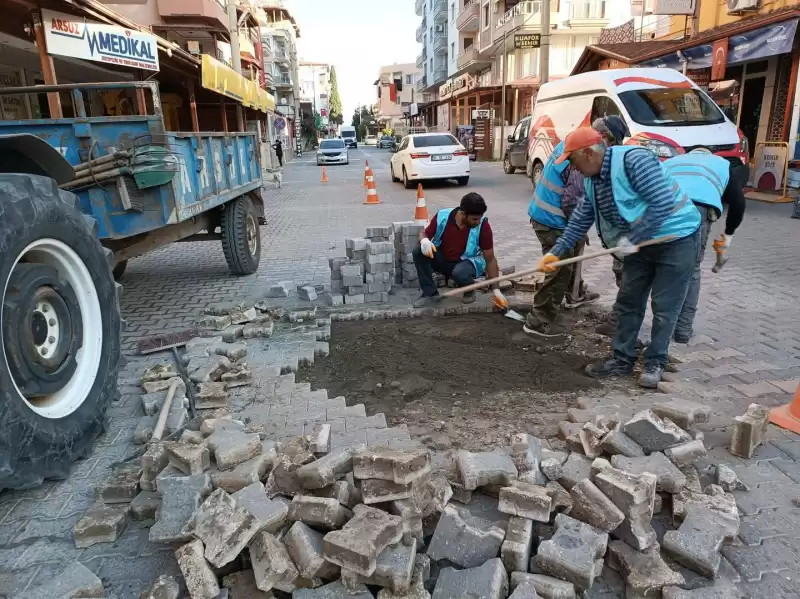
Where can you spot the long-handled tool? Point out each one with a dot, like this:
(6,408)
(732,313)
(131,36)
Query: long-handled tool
(172,341)
(721,260)
(529,271)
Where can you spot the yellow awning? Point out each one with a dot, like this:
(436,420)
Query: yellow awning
(220,78)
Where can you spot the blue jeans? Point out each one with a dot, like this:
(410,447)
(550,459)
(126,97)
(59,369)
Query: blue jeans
(462,272)
(689,309)
(663,272)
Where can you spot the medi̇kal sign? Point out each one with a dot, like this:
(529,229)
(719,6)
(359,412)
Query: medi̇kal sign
(68,35)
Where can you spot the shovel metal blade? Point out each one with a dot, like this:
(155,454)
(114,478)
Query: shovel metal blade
(514,315)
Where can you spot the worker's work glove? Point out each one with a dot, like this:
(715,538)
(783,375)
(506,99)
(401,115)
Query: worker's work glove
(723,242)
(546,263)
(499,299)
(427,247)
(625,248)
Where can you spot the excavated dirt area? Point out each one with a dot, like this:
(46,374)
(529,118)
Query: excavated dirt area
(460,381)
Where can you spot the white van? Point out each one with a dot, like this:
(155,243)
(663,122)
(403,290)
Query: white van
(348,135)
(665,112)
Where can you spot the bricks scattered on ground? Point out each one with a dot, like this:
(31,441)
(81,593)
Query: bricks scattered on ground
(749,430)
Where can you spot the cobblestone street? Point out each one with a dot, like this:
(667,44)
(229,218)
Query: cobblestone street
(746,349)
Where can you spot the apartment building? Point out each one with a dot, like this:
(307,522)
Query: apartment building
(433,35)
(315,88)
(394,103)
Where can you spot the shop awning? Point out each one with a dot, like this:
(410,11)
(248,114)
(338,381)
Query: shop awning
(763,42)
(220,78)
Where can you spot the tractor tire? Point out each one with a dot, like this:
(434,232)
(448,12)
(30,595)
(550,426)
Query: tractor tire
(60,329)
(241,236)
(119,270)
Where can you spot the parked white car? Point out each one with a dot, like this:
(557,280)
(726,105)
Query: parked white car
(371,140)
(332,151)
(426,156)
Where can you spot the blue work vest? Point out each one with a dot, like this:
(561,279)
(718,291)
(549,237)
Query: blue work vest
(473,252)
(545,206)
(703,177)
(682,221)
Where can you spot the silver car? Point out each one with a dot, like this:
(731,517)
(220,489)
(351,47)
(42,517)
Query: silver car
(332,151)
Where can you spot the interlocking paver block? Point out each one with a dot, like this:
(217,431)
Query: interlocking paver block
(773,555)
(749,430)
(525,452)
(305,547)
(272,566)
(122,486)
(466,544)
(357,545)
(271,514)
(574,470)
(211,395)
(487,581)
(714,499)
(334,590)
(645,572)
(526,501)
(197,573)
(634,495)
(722,589)
(145,505)
(524,590)
(654,433)
(687,453)
(548,587)
(319,438)
(573,552)
(486,468)
(224,528)
(328,469)
(242,585)
(189,459)
(76,580)
(180,498)
(616,442)
(207,370)
(231,447)
(401,466)
(696,544)
(283,477)
(393,569)
(101,524)
(164,587)
(153,462)
(374,490)
(318,511)
(669,478)
(515,552)
(686,414)
(242,475)
(590,505)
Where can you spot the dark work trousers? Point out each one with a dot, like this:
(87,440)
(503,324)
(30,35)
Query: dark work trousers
(662,272)
(462,272)
(689,310)
(548,298)
(280,158)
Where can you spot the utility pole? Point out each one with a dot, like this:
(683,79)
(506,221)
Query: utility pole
(544,50)
(236,56)
(503,95)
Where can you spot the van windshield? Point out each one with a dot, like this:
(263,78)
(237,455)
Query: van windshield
(671,107)
(348,133)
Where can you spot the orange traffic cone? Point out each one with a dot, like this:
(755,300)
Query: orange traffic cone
(372,193)
(421,213)
(324,175)
(367,172)
(788,416)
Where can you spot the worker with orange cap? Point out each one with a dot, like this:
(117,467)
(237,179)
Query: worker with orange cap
(632,198)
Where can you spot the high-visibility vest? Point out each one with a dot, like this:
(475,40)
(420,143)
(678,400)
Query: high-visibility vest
(703,177)
(473,251)
(545,206)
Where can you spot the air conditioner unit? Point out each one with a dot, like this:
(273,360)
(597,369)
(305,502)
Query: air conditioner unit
(739,6)
(440,29)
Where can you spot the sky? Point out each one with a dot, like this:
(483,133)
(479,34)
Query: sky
(357,37)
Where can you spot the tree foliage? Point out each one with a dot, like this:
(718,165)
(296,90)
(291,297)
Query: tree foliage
(335,100)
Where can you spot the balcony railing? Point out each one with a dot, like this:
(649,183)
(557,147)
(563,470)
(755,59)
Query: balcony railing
(440,41)
(471,56)
(439,10)
(523,9)
(421,84)
(587,10)
(439,75)
(419,7)
(421,30)
(421,59)
(283,80)
(468,18)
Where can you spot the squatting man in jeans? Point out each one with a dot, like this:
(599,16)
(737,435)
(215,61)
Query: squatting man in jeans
(559,190)
(457,243)
(631,198)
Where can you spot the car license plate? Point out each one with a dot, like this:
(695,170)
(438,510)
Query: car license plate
(438,157)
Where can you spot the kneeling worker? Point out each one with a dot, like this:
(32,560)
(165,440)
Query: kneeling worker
(457,243)
(632,198)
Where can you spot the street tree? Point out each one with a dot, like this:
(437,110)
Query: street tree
(335,100)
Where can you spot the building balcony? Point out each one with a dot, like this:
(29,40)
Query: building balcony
(471,59)
(283,81)
(419,7)
(439,76)
(440,41)
(269,79)
(286,110)
(421,30)
(439,10)
(210,12)
(469,17)
(281,55)
(421,59)
(422,84)
(588,14)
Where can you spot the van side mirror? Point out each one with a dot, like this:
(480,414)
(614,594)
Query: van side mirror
(511,139)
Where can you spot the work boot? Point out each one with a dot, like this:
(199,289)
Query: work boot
(468,297)
(607,328)
(609,367)
(682,337)
(426,301)
(544,329)
(587,297)
(651,375)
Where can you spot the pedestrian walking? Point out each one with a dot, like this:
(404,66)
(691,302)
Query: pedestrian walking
(278,145)
(632,198)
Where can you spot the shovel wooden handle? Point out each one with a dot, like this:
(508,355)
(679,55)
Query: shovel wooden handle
(530,271)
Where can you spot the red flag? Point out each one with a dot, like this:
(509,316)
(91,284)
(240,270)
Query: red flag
(393,92)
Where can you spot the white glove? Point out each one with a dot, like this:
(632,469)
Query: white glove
(723,242)
(499,299)
(427,247)
(625,248)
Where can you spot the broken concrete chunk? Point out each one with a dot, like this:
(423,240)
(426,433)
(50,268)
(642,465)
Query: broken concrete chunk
(319,439)
(224,528)
(696,544)
(551,468)
(715,500)
(465,544)
(515,551)
(525,452)
(487,581)
(343,491)
(485,468)
(305,547)
(197,573)
(379,491)
(525,590)
(749,430)
(158,372)
(243,316)
(153,461)
(242,475)
(654,433)
(238,376)
(191,437)
(727,479)
(271,515)
(145,505)
(590,505)
(232,447)
(162,386)
(645,572)
(180,498)
(242,585)
(318,511)
(164,587)
(393,569)
(441,493)
(76,580)
(211,395)
(101,524)
(122,486)
(189,459)
(210,425)
(526,501)
(616,442)
(669,478)
(326,470)
(686,454)
(357,545)
(634,495)
(401,466)
(208,369)
(334,590)
(574,470)
(547,586)
(686,414)
(273,568)
(283,478)
(561,500)
(574,553)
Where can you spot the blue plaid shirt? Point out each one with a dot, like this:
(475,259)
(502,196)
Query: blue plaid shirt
(646,178)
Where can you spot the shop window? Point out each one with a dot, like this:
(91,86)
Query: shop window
(603,106)
(759,66)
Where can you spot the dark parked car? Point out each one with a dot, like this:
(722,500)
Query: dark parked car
(387,141)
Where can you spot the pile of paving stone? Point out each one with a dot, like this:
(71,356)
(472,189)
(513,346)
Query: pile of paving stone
(366,274)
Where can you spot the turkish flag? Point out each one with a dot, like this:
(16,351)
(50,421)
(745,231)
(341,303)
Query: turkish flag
(393,92)
(719,59)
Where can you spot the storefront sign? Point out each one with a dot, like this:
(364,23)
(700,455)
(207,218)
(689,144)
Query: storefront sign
(674,7)
(483,113)
(525,41)
(455,86)
(770,166)
(220,78)
(12,108)
(68,35)
(413,110)
(720,58)
(701,78)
